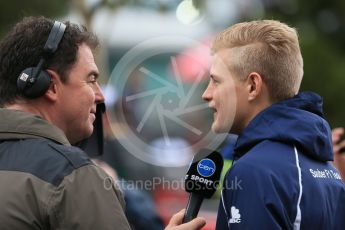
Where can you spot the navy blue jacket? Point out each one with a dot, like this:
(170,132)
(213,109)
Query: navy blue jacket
(282,177)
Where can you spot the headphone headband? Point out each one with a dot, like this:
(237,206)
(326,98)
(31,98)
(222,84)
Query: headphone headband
(54,37)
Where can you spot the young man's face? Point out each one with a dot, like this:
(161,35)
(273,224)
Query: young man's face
(225,95)
(79,96)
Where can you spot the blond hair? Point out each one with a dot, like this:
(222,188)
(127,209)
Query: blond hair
(269,48)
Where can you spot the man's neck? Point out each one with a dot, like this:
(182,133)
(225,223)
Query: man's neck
(22,108)
(28,107)
(255,111)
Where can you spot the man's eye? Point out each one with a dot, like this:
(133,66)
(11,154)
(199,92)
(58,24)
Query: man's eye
(92,80)
(215,81)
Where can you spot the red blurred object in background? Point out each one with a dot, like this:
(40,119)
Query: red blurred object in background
(194,61)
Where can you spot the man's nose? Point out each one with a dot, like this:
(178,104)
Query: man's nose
(207,95)
(99,97)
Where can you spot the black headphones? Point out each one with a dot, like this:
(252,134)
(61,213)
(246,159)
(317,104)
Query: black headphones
(33,82)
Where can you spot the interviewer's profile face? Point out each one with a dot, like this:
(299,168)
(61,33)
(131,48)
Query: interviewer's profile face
(79,97)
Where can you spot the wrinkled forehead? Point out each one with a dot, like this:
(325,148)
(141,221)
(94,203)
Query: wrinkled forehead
(85,58)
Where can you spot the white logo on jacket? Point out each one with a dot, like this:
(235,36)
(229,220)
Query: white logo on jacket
(235,216)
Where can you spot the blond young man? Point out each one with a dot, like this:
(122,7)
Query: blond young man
(284,177)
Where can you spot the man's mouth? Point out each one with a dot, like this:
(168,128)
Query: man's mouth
(93,113)
(214,112)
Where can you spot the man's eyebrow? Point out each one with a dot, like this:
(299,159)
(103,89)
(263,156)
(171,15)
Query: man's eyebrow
(93,73)
(213,76)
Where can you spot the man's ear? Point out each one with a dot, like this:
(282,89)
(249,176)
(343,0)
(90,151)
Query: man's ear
(53,90)
(255,85)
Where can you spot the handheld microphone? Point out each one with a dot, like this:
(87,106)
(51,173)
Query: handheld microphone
(202,180)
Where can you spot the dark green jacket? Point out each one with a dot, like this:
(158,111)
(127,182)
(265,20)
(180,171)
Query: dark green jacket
(45,183)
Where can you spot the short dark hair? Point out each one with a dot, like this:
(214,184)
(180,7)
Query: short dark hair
(23,46)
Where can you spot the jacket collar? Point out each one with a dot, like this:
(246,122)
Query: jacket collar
(16,124)
(298,121)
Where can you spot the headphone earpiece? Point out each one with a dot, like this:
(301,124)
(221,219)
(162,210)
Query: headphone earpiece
(33,82)
(32,87)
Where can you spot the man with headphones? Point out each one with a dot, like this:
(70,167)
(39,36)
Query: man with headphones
(48,98)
